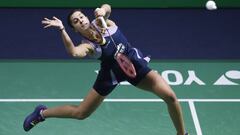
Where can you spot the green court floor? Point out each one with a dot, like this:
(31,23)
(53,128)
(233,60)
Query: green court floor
(208,91)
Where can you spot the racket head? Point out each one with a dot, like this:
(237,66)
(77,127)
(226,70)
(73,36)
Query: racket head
(126,65)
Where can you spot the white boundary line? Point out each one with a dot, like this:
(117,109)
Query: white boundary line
(118,100)
(190,102)
(195,118)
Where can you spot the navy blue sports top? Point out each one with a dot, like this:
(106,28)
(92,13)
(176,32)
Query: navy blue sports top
(110,73)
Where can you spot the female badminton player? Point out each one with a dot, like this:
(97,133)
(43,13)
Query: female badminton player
(106,43)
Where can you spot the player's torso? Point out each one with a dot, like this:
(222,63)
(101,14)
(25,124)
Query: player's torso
(113,37)
(110,47)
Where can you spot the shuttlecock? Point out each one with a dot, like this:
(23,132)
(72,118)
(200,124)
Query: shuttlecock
(211,5)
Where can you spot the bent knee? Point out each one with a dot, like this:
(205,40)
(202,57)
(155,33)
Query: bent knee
(170,98)
(81,115)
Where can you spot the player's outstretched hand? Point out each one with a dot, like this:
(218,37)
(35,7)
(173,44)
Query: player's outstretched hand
(54,22)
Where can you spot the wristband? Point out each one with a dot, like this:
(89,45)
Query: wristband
(62,28)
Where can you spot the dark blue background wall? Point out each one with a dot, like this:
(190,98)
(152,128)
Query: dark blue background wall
(162,33)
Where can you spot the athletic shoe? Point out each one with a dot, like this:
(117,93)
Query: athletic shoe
(34,118)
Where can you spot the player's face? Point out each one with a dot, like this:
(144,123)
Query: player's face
(79,21)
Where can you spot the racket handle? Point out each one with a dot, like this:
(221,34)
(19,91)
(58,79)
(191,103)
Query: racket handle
(103,21)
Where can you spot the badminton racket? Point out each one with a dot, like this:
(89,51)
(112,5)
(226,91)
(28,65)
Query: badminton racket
(123,61)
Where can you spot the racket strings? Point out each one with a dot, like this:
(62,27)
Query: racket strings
(123,61)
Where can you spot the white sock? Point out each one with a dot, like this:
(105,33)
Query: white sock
(41,113)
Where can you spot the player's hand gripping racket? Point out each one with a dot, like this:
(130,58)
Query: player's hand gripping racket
(125,64)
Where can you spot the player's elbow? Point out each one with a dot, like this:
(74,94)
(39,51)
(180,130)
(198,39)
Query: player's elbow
(108,9)
(78,54)
(80,51)
(106,6)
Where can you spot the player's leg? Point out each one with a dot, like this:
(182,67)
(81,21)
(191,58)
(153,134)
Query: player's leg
(153,82)
(82,111)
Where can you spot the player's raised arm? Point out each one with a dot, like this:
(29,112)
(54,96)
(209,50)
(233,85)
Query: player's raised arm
(75,51)
(104,10)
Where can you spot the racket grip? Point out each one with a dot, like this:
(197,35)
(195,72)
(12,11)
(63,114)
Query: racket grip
(103,21)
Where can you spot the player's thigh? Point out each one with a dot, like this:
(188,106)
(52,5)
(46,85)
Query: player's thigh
(153,82)
(91,102)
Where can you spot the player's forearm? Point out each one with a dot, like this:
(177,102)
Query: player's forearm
(67,42)
(107,9)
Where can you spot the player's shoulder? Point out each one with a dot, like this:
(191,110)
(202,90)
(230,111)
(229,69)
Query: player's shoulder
(112,27)
(111,23)
(96,50)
